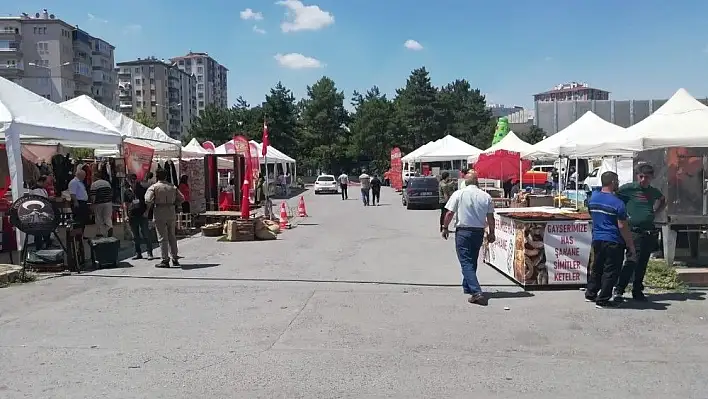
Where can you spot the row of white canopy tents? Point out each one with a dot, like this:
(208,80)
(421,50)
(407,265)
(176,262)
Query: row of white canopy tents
(273,155)
(448,148)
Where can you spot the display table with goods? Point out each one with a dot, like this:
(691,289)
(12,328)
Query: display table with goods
(541,246)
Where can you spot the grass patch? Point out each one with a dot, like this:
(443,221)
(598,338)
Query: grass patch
(22,278)
(662,277)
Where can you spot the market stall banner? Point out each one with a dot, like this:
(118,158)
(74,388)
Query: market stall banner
(240,145)
(209,146)
(567,252)
(230,147)
(395,177)
(138,159)
(501,251)
(255,162)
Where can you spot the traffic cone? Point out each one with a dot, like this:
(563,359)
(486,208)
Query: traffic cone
(283,216)
(301,210)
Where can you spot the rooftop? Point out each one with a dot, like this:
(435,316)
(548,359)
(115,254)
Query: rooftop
(570,87)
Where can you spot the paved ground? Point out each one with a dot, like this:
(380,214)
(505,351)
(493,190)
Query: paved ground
(285,319)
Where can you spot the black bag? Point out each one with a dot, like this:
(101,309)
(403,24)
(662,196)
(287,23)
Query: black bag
(46,257)
(104,252)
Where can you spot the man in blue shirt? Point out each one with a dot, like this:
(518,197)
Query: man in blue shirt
(610,234)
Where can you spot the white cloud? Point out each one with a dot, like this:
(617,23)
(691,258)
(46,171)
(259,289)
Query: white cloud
(297,61)
(133,29)
(412,45)
(301,17)
(250,14)
(259,30)
(94,18)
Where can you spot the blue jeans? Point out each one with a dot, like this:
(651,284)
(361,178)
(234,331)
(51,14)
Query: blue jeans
(365,196)
(468,242)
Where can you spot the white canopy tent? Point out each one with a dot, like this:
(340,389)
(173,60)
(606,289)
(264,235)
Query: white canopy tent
(510,142)
(28,117)
(412,155)
(132,131)
(194,150)
(563,142)
(681,121)
(449,148)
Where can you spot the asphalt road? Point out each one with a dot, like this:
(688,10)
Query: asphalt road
(352,303)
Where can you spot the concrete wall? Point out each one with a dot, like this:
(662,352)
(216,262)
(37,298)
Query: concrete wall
(553,117)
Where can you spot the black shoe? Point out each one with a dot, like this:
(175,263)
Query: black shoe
(617,295)
(606,305)
(137,256)
(590,298)
(150,256)
(163,265)
(639,297)
(175,262)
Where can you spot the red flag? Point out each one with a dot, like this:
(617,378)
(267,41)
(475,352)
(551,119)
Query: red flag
(246,187)
(265,141)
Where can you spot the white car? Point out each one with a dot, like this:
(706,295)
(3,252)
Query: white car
(326,184)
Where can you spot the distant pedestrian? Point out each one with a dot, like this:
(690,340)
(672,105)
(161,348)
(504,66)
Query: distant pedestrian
(186,193)
(610,235)
(643,201)
(445,189)
(365,181)
(461,180)
(474,209)
(165,199)
(101,194)
(344,185)
(375,190)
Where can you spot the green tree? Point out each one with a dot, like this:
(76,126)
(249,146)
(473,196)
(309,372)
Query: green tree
(373,129)
(534,135)
(145,119)
(323,136)
(213,124)
(465,114)
(418,112)
(246,120)
(281,114)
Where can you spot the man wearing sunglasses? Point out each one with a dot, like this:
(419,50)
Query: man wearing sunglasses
(643,201)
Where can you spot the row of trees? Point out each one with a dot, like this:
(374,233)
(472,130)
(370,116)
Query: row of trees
(321,133)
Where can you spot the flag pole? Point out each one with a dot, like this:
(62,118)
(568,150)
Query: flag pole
(264,151)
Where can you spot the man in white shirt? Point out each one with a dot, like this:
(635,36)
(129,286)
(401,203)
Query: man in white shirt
(79,198)
(344,185)
(365,181)
(474,209)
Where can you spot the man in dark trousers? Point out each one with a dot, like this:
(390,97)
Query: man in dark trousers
(610,232)
(445,189)
(643,201)
(375,190)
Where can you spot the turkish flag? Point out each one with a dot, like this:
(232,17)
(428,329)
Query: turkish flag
(265,141)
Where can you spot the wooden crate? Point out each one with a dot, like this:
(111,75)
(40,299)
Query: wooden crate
(241,230)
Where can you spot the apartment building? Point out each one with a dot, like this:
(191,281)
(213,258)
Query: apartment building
(56,60)
(158,89)
(211,79)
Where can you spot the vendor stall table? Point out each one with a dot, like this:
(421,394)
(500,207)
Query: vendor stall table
(541,246)
(222,216)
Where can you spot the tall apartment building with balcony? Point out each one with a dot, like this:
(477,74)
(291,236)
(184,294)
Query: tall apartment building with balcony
(158,89)
(212,84)
(55,59)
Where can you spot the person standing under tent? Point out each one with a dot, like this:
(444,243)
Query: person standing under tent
(136,211)
(375,190)
(102,202)
(643,201)
(365,181)
(610,237)
(79,199)
(165,199)
(344,185)
(445,189)
(474,209)
(184,189)
(41,241)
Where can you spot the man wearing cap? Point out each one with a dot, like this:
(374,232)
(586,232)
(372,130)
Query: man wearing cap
(643,201)
(165,198)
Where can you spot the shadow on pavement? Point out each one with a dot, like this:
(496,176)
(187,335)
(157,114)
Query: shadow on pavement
(294,192)
(508,294)
(195,266)
(658,301)
(308,224)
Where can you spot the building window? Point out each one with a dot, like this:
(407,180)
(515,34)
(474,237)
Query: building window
(200,78)
(136,69)
(200,86)
(152,81)
(200,70)
(138,93)
(201,104)
(137,81)
(200,95)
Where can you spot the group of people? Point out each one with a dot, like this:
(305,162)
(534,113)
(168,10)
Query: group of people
(370,188)
(152,197)
(623,230)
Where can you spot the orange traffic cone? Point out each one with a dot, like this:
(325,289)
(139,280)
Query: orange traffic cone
(301,210)
(283,216)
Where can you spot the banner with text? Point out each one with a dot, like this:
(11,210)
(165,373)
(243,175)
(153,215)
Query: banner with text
(501,252)
(138,159)
(567,246)
(395,177)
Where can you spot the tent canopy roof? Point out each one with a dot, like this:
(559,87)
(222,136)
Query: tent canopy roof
(448,148)
(510,142)
(411,156)
(273,154)
(40,120)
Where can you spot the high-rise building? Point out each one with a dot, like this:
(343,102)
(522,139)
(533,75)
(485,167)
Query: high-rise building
(572,91)
(211,79)
(55,59)
(160,90)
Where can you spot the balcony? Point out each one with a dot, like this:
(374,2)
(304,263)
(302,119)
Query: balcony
(125,105)
(13,50)
(124,94)
(12,34)
(12,70)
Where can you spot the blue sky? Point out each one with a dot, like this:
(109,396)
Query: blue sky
(510,49)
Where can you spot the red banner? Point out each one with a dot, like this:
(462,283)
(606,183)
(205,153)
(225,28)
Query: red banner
(255,162)
(209,146)
(138,159)
(240,145)
(396,169)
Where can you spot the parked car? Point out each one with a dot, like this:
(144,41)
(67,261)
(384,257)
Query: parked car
(421,191)
(326,184)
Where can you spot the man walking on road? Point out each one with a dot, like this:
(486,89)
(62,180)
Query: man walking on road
(375,190)
(165,198)
(365,181)
(474,208)
(643,201)
(343,185)
(610,232)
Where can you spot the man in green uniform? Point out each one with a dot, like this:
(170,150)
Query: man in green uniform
(643,201)
(164,197)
